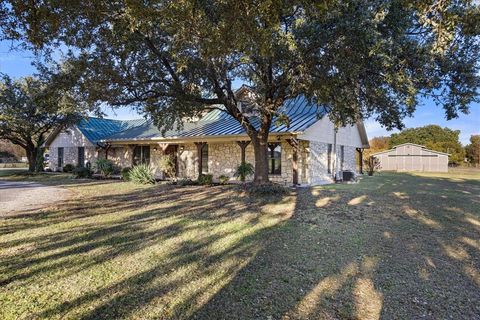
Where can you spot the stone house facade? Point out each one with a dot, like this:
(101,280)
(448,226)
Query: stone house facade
(309,152)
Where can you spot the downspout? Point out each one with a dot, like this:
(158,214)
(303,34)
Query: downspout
(335,173)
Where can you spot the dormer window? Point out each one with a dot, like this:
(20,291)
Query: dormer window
(247,108)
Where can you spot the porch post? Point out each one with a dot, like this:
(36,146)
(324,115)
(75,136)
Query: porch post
(200,146)
(243,145)
(360,158)
(106,151)
(295,146)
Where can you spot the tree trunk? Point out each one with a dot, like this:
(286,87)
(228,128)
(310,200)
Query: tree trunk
(260,148)
(31,152)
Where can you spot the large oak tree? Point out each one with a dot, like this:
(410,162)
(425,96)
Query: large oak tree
(31,108)
(175,59)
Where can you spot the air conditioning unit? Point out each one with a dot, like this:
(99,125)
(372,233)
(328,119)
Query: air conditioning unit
(348,176)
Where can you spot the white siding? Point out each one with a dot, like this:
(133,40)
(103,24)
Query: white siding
(323,129)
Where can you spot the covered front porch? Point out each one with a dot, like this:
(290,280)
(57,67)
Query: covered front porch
(288,156)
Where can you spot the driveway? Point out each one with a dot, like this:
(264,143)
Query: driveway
(28,196)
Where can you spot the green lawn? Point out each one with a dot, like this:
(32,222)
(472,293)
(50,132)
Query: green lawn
(395,246)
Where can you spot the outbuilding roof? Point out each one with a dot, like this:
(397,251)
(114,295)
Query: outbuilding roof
(410,144)
(301,113)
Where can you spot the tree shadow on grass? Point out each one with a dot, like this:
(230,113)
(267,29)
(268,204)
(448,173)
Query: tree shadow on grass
(342,251)
(360,252)
(195,229)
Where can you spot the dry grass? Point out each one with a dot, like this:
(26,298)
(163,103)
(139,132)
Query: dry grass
(393,246)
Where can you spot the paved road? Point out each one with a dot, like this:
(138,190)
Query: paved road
(27,196)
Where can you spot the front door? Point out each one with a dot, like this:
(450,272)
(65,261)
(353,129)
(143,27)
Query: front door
(172,150)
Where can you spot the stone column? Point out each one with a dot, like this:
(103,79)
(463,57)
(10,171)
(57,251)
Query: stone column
(200,146)
(295,147)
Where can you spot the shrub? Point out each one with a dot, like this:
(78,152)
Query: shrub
(223,179)
(82,172)
(187,182)
(205,179)
(266,189)
(126,173)
(104,167)
(166,163)
(142,174)
(117,170)
(68,167)
(244,170)
(372,164)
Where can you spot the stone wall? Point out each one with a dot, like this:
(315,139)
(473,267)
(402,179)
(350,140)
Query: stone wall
(122,156)
(70,156)
(349,162)
(70,140)
(224,158)
(318,163)
(187,161)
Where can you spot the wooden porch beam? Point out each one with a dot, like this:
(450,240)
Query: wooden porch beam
(163,146)
(243,145)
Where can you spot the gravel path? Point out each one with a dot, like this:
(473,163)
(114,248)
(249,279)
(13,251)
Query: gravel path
(28,196)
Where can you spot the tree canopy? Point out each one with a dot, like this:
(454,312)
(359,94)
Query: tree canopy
(30,108)
(174,59)
(8,149)
(433,137)
(377,144)
(472,150)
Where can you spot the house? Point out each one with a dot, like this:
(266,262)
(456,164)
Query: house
(307,151)
(412,157)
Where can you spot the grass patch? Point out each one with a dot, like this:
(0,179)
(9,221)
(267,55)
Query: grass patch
(392,246)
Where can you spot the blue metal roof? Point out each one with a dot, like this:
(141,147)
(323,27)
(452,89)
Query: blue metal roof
(97,129)
(300,112)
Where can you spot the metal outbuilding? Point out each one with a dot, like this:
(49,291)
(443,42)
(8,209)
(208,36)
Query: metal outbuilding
(412,157)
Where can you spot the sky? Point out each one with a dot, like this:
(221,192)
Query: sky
(18,64)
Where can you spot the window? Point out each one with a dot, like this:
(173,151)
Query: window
(342,156)
(60,157)
(329,158)
(205,159)
(141,155)
(275,158)
(81,156)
